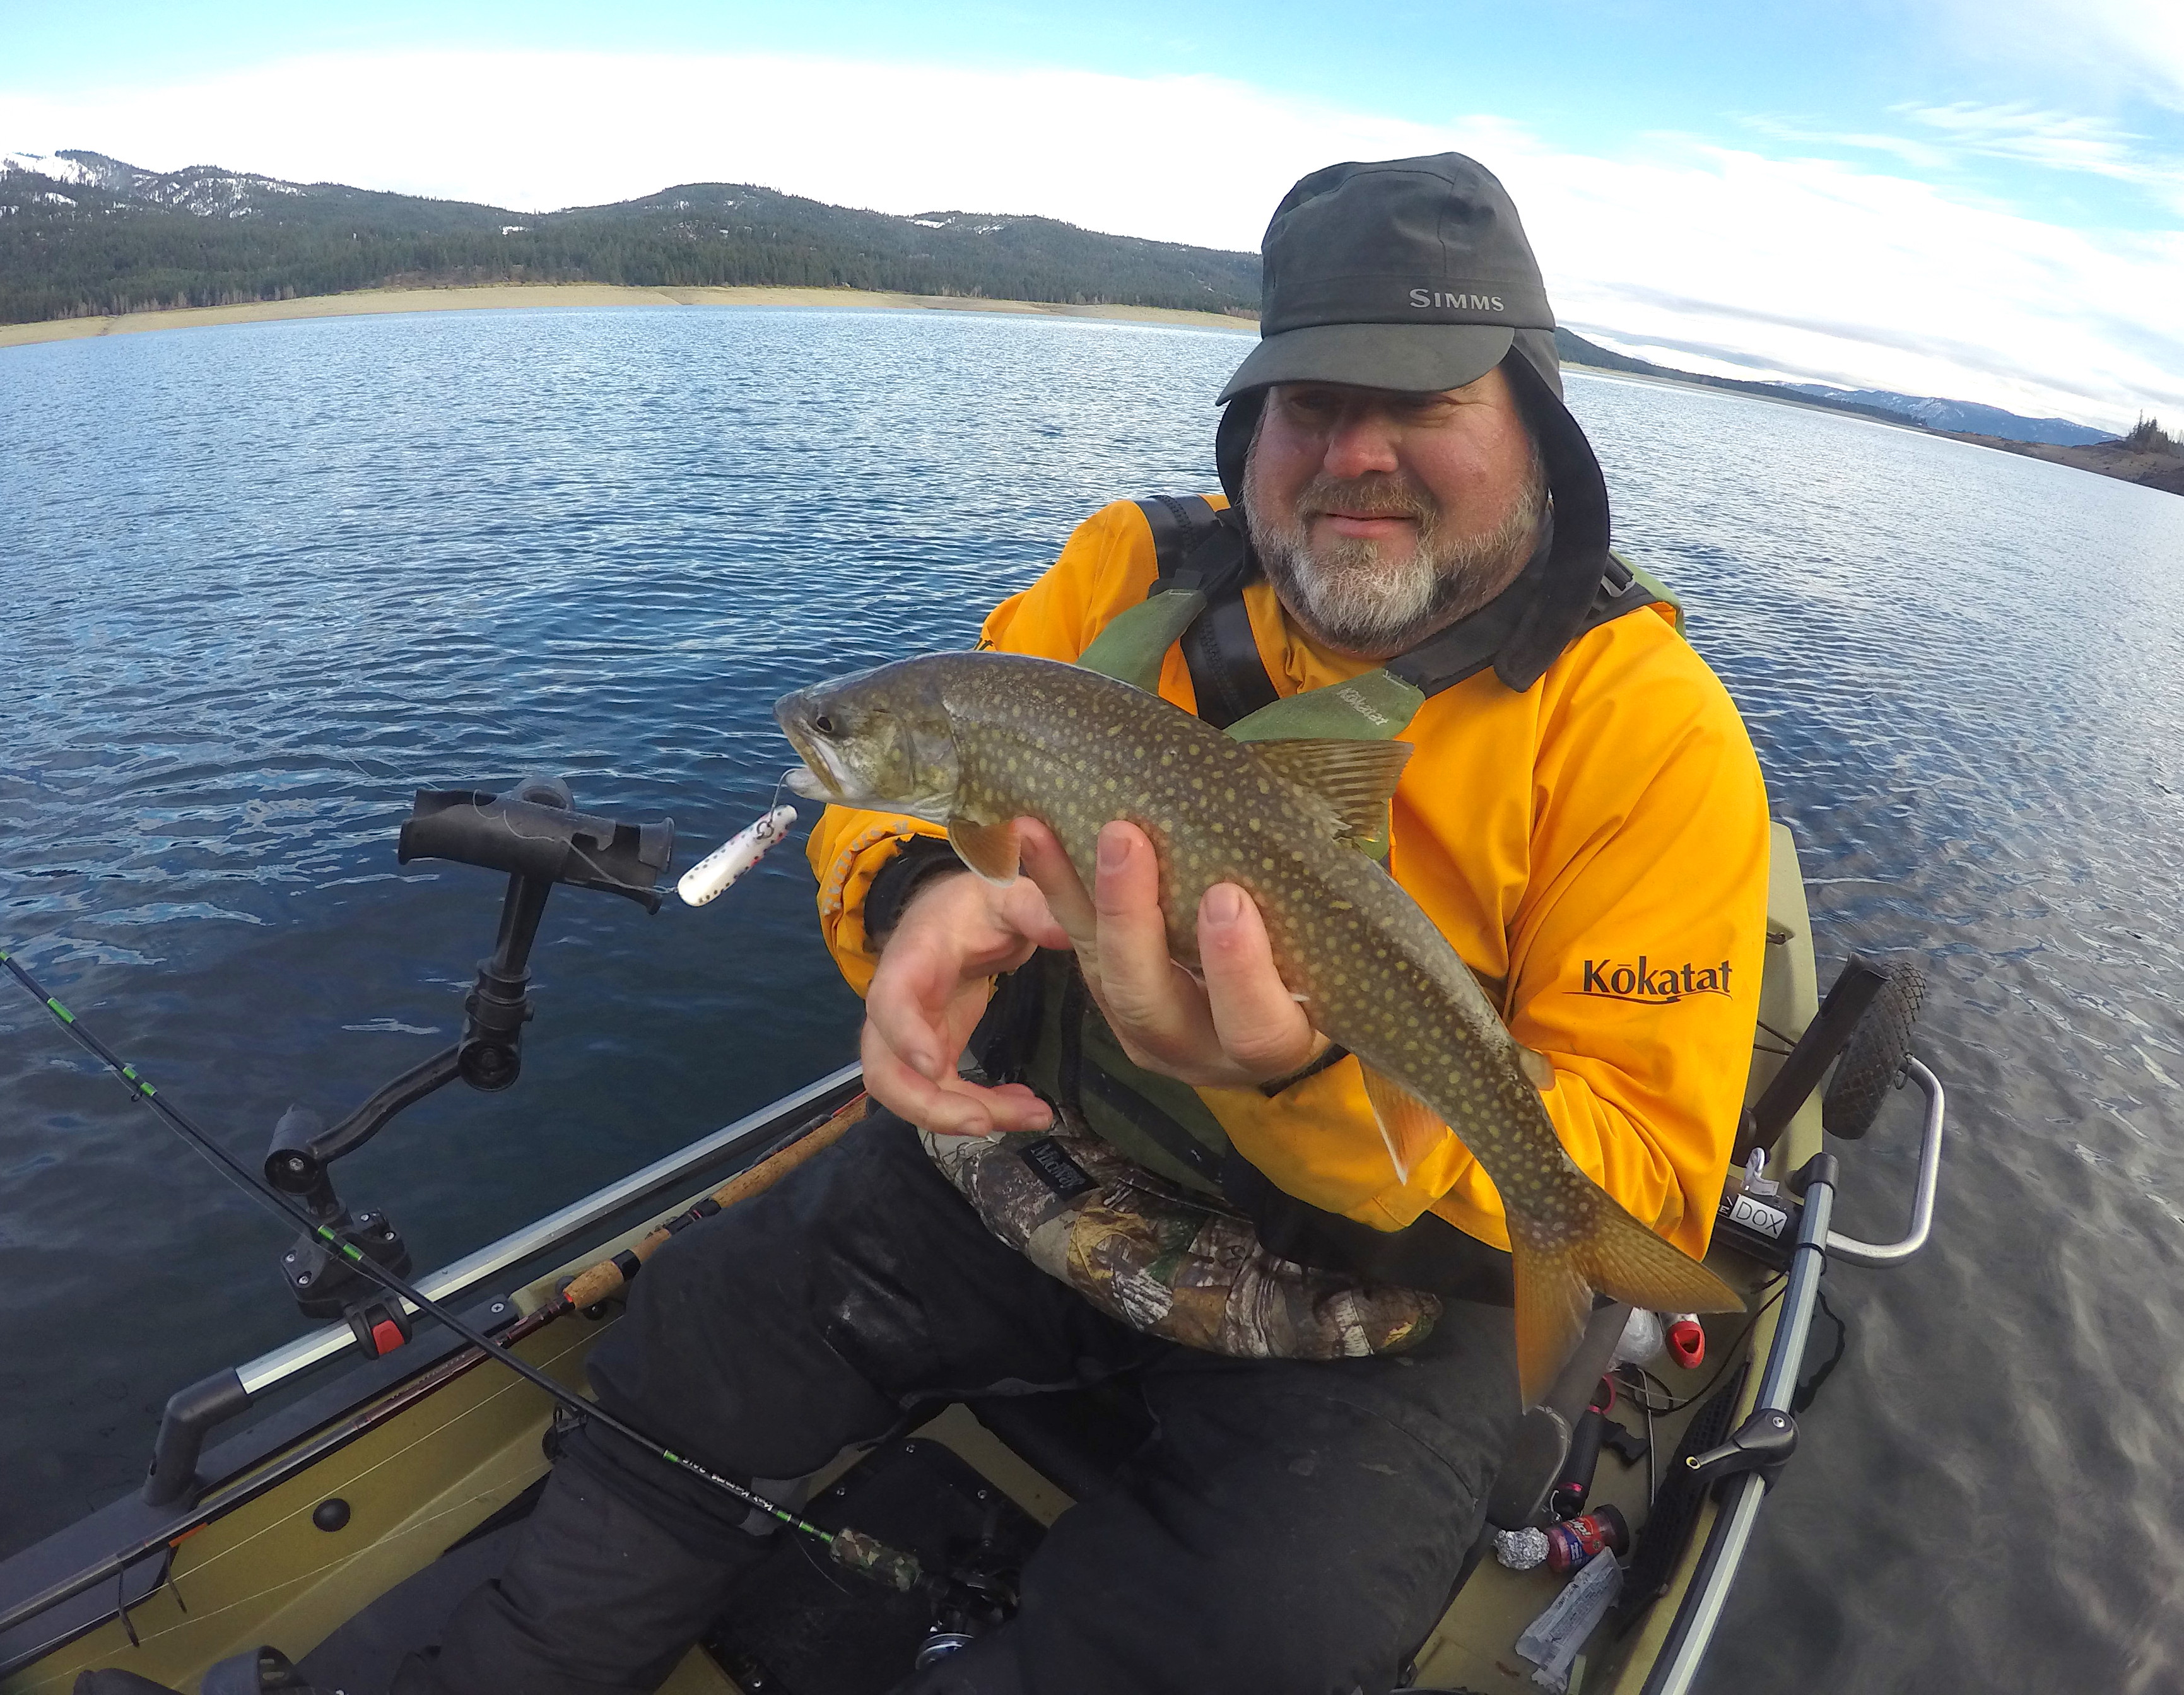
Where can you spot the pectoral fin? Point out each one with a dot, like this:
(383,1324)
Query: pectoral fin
(1410,1129)
(1536,1067)
(1354,779)
(990,850)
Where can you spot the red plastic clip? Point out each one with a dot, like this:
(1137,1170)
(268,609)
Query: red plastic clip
(380,1327)
(1687,1340)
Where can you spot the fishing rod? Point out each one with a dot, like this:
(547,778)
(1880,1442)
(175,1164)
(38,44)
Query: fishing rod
(851,1549)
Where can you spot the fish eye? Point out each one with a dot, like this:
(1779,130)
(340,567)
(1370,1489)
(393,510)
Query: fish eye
(823,724)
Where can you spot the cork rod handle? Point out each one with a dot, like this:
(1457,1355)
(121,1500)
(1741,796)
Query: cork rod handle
(607,1279)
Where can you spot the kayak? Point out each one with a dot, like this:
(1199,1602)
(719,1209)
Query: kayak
(390,1464)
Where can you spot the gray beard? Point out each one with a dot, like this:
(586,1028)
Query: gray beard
(1349,599)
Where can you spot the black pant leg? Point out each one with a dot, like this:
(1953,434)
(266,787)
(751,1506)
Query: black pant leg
(760,1342)
(765,1339)
(1294,1530)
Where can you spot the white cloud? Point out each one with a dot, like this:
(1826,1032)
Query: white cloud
(1802,266)
(1918,154)
(2057,140)
(1805,267)
(2121,48)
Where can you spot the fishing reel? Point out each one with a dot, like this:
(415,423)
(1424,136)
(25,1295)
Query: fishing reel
(534,833)
(973,1601)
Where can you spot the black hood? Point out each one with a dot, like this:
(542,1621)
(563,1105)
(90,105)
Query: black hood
(1416,273)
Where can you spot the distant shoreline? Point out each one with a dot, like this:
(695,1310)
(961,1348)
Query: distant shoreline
(2107,459)
(501,297)
(1662,380)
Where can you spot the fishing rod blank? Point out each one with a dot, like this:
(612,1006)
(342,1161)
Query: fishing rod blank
(851,1549)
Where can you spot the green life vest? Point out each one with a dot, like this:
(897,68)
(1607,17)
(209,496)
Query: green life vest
(1046,1030)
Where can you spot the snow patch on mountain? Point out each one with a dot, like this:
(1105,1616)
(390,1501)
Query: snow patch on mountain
(49,164)
(1967,417)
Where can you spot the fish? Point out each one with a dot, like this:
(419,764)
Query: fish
(973,741)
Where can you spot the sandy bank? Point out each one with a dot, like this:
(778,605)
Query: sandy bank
(499,297)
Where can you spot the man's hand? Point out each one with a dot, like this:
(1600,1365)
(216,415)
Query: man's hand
(956,934)
(1242,1028)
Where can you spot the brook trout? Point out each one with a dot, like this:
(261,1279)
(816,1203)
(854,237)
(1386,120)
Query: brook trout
(974,741)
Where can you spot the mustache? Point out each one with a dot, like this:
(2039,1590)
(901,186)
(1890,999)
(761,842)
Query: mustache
(1388,496)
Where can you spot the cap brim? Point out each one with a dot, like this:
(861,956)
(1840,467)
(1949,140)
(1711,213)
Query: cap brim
(1411,357)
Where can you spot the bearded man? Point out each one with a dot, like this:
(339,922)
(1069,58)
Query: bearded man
(1422,546)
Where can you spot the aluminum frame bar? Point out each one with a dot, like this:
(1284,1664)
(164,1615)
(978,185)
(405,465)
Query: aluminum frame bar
(285,1361)
(1849,1250)
(1693,1632)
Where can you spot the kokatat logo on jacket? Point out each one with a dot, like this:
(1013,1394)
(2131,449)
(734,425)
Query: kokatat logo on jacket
(1652,984)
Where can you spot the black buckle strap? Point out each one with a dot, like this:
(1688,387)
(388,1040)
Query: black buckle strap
(1179,523)
(1195,547)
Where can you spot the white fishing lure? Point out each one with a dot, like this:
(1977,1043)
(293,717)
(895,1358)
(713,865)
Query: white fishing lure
(705,880)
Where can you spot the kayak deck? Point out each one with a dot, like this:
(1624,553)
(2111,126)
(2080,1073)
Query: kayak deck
(287,1569)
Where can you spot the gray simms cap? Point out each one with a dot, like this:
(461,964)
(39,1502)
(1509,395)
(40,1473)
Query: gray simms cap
(1411,274)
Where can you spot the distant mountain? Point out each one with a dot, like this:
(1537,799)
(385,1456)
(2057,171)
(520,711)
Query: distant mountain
(1966,416)
(1963,417)
(83,234)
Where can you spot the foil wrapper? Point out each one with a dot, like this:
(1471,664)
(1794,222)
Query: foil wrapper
(1521,1550)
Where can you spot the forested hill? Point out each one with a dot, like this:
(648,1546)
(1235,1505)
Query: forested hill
(82,235)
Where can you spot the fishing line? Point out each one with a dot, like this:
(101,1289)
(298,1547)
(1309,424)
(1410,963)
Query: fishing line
(386,1540)
(849,1547)
(1668,1402)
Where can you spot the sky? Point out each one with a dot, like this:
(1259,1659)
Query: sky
(1980,199)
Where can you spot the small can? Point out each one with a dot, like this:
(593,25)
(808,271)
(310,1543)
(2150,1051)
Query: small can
(1572,1543)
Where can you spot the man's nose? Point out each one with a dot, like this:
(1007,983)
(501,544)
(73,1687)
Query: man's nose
(1362,443)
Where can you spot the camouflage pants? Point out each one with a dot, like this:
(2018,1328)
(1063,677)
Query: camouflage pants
(1292,1525)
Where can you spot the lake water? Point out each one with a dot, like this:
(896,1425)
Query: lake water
(262,581)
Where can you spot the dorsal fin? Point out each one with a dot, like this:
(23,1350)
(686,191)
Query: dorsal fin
(1356,778)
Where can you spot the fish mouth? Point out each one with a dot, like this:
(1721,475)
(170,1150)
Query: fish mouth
(802,780)
(816,778)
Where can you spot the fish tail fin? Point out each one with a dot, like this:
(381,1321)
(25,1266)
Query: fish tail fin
(1557,1271)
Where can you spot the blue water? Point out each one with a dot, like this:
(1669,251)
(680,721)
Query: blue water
(262,581)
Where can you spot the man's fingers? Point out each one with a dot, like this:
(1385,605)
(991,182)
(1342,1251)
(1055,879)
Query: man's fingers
(906,1008)
(1262,1027)
(1140,985)
(949,1106)
(1049,868)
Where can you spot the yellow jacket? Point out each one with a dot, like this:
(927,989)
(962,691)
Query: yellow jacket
(1594,848)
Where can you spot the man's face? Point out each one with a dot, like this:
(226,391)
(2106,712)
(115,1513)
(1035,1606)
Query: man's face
(1381,516)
